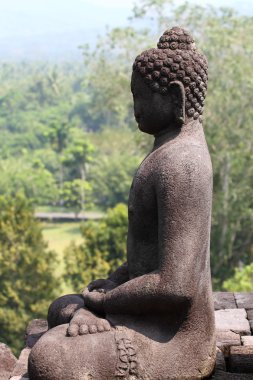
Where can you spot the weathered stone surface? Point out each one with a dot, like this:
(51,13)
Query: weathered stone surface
(21,365)
(250,318)
(224,300)
(244,300)
(240,359)
(226,339)
(34,331)
(19,378)
(232,319)
(37,326)
(7,361)
(247,341)
(250,314)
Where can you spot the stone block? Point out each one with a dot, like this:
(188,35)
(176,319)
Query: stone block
(224,300)
(37,326)
(250,314)
(21,365)
(241,359)
(244,300)
(250,318)
(34,331)
(226,339)
(7,362)
(232,319)
(247,341)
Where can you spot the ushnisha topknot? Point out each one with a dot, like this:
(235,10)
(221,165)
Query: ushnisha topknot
(176,58)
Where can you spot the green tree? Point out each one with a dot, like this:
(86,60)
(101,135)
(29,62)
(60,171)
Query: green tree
(72,195)
(27,270)
(242,281)
(116,160)
(57,134)
(29,177)
(103,249)
(106,81)
(111,177)
(78,156)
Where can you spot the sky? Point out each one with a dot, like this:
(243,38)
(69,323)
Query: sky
(31,29)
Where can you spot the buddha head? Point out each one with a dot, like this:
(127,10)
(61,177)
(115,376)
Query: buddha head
(169,83)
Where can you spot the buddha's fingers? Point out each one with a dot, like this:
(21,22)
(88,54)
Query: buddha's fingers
(73,329)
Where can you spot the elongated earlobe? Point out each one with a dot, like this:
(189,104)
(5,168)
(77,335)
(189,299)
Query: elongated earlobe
(178,96)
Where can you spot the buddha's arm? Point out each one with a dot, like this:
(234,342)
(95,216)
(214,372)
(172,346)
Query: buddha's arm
(184,200)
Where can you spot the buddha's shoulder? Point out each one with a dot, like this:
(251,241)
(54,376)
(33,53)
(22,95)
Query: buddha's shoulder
(180,149)
(183,154)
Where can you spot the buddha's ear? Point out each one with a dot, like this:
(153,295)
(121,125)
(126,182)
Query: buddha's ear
(177,92)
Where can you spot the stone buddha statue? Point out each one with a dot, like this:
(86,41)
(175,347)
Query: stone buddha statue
(153,318)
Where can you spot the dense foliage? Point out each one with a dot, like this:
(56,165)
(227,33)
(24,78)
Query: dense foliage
(27,269)
(50,142)
(103,249)
(241,281)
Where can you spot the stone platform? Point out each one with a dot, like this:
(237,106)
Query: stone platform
(234,337)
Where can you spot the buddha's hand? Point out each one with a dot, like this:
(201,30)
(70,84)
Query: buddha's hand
(94,300)
(84,322)
(101,286)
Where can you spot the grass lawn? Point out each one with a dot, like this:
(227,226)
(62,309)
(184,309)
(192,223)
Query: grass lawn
(59,235)
(62,209)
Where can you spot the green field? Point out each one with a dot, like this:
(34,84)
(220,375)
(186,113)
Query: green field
(59,235)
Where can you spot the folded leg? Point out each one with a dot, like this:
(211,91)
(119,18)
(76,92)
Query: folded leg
(57,356)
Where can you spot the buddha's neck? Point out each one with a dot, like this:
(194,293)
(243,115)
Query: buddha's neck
(168,134)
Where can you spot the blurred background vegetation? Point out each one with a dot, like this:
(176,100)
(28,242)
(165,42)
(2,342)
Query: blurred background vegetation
(69,142)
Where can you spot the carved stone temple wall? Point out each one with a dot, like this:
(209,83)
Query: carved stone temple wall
(234,337)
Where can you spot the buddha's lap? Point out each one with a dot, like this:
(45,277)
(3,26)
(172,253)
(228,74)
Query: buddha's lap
(99,353)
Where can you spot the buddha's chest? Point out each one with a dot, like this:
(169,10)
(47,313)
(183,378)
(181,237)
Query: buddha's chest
(142,239)
(143,214)
(142,200)
(143,226)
